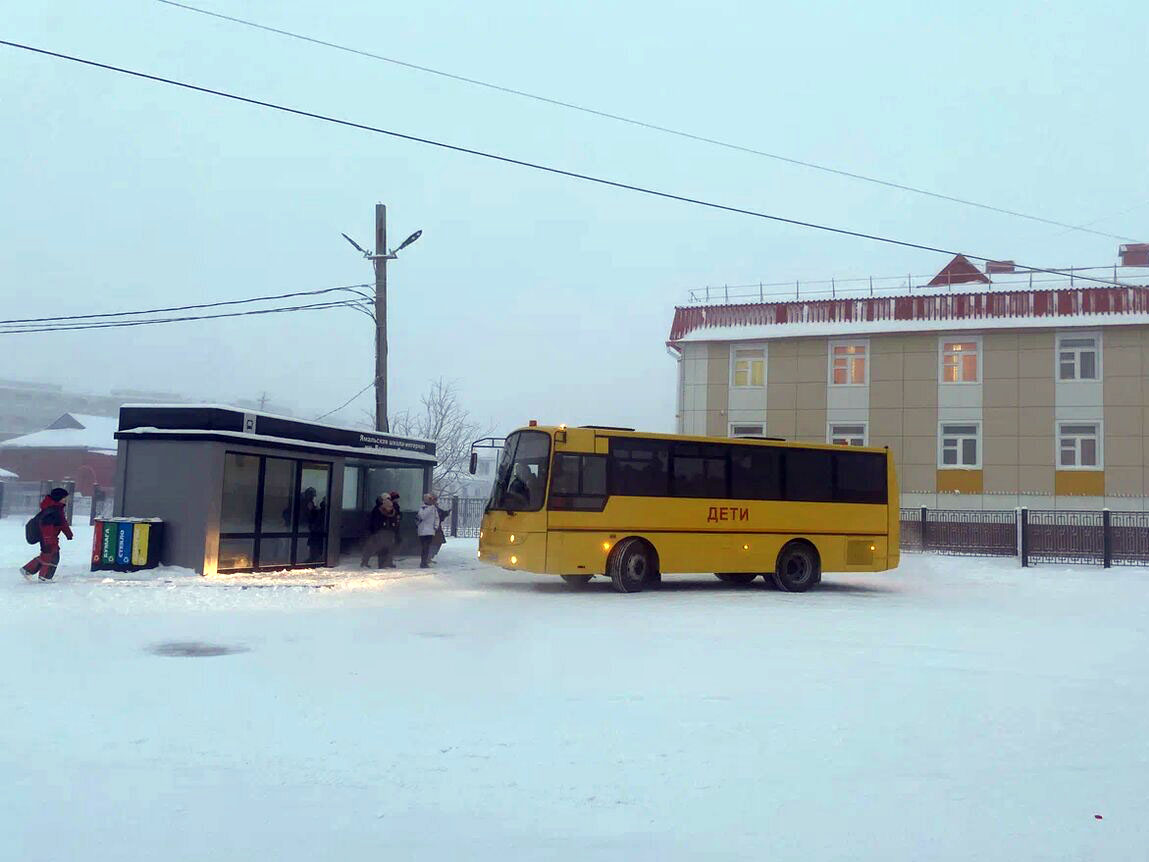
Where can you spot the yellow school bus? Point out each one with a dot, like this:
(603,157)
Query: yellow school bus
(580,502)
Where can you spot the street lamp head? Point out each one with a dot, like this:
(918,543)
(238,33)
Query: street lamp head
(410,240)
(356,245)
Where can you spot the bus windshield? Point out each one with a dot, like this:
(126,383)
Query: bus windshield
(521,480)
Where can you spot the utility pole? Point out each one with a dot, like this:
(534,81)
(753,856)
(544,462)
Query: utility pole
(379,258)
(380,262)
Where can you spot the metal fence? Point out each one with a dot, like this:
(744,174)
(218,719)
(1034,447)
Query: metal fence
(1100,538)
(22,499)
(466,516)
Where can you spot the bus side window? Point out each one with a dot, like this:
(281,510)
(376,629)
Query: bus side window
(639,468)
(594,475)
(566,474)
(698,470)
(809,475)
(755,473)
(860,477)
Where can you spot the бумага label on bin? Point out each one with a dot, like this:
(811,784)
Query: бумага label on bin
(111,536)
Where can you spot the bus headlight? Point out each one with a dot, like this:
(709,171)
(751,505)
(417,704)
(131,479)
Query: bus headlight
(512,538)
(514,560)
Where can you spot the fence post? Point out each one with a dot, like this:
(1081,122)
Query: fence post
(1024,537)
(1106,539)
(454,517)
(1,499)
(923,529)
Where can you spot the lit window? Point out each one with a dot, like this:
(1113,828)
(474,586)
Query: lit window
(1077,358)
(959,445)
(959,362)
(848,364)
(1079,445)
(848,434)
(749,367)
(740,430)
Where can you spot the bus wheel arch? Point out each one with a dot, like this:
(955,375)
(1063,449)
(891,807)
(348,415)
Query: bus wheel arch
(633,564)
(798,567)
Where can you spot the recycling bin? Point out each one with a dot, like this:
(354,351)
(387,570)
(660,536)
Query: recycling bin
(126,544)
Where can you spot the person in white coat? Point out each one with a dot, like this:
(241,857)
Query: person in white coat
(427,522)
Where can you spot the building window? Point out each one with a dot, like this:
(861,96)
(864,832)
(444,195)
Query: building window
(847,434)
(1078,357)
(959,361)
(958,445)
(748,367)
(741,430)
(1079,446)
(848,363)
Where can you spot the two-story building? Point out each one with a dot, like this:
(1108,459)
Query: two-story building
(994,390)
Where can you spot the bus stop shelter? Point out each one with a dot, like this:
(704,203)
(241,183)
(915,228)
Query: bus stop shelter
(241,491)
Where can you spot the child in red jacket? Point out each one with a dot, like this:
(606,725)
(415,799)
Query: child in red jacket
(53,522)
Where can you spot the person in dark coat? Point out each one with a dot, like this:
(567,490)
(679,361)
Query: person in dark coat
(394,495)
(314,515)
(53,522)
(380,534)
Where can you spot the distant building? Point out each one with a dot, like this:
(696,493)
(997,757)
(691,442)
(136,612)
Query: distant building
(478,485)
(994,389)
(75,446)
(27,406)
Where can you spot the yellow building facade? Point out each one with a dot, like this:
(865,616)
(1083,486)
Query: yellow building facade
(993,400)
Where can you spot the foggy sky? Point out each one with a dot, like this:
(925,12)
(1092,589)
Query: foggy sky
(543,297)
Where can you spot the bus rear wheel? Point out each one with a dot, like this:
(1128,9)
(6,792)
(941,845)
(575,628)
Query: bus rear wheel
(632,565)
(736,577)
(577,580)
(798,568)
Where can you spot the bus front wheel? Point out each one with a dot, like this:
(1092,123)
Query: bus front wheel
(632,565)
(577,580)
(736,577)
(798,568)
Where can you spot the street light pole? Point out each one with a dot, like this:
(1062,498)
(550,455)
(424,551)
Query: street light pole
(379,259)
(381,423)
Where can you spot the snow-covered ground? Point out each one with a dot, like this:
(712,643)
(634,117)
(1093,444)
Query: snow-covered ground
(953,709)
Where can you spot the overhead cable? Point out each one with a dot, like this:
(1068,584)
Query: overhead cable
(525,164)
(642,123)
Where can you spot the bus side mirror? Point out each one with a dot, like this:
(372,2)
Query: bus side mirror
(474,465)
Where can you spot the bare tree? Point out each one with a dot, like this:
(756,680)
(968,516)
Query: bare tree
(443,419)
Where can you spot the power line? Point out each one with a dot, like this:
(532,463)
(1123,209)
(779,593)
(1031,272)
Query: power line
(525,164)
(345,403)
(642,123)
(127,323)
(350,287)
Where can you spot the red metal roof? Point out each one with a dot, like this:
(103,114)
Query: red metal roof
(1051,304)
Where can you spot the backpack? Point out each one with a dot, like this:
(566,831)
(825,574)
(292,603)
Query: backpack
(32,529)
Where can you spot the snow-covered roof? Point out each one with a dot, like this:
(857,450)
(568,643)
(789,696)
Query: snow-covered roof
(96,434)
(976,310)
(5,474)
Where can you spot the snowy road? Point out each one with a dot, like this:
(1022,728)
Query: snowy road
(954,709)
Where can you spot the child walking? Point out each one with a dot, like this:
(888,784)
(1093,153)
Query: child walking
(53,522)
